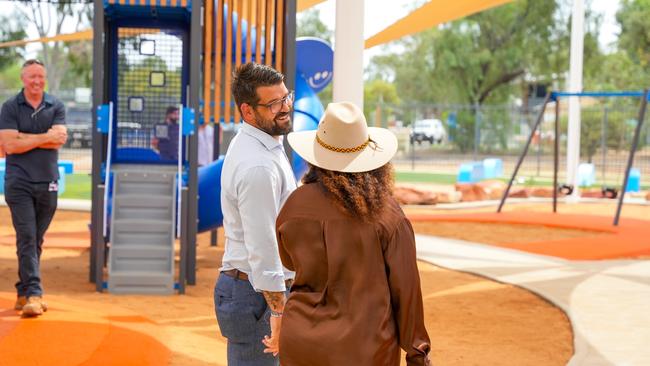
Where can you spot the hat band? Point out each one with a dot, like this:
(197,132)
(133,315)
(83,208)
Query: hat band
(342,149)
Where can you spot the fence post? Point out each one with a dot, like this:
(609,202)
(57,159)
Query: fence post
(477,130)
(603,144)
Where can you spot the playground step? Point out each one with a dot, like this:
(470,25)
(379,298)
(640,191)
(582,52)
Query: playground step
(156,207)
(141,258)
(145,239)
(142,226)
(141,282)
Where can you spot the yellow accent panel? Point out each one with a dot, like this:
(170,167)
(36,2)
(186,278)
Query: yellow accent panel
(70,37)
(306,4)
(429,15)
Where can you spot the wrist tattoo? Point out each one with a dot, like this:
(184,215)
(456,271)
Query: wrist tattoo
(275,300)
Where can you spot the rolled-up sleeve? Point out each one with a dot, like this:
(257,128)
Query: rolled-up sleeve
(258,193)
(406,295)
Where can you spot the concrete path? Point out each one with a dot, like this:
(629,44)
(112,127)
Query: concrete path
(607,301)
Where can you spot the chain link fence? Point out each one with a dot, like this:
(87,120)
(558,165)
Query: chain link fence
(472,133)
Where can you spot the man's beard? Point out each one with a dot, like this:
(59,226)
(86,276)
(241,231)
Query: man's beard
(272,127)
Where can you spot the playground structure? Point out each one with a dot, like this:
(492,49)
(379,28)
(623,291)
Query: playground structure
(644,96)
(148,58)
(142,200)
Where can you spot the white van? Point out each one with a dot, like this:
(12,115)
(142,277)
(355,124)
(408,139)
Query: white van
(430,130)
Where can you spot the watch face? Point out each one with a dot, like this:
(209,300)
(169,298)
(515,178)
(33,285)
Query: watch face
(162,131)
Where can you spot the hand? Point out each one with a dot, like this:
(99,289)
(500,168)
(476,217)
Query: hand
(273,343)
(57,135)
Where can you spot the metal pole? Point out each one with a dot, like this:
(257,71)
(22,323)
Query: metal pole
(194,100)
(523,154)
(556,151)
(630,160)
(97,243)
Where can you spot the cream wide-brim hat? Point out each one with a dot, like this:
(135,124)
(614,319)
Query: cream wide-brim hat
(343,141)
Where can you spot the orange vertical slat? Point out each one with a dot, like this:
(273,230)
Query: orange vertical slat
(258,31)
(207,64)
(228,68)
(268,52)
(279,34)
(218,61)
(238,43)
(249,32)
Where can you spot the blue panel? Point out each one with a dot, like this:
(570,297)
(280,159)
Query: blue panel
(188,121)
(103,113)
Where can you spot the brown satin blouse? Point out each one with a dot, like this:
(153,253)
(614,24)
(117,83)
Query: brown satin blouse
(356,299)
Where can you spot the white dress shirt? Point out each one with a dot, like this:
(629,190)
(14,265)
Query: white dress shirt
(255,182)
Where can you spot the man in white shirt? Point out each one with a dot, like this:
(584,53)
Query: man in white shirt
(255,182)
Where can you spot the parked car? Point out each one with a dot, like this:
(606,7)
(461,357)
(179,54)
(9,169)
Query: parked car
(79,124)
(431,130)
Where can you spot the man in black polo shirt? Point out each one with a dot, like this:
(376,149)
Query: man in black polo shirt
(31,132)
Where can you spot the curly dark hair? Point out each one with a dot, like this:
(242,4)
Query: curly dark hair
(363,195)
(250,76)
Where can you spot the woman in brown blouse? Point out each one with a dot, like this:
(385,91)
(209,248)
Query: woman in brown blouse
(356,299)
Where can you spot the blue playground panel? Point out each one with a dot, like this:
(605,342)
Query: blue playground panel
(634,181)
(492,168)
(470,172)
(586,175)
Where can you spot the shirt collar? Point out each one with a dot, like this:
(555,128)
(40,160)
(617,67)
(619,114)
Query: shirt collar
(48,99)
(267,140)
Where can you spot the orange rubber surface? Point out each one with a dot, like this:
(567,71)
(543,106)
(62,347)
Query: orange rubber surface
(630,239)
(72,333)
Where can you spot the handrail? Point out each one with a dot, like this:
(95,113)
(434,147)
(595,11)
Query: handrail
(179,179)
(107,182)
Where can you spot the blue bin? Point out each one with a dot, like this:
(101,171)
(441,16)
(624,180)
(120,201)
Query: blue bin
(634,181)
(586,175)
(470,172)
(67,165)
(2,178)
(492,168)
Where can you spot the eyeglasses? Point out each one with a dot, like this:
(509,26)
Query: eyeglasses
(33,61)
(276,106)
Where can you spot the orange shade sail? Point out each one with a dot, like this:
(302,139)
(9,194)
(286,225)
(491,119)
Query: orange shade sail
(430,15)
(306,4)
(69,37)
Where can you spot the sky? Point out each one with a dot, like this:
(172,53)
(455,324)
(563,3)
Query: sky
(379,14)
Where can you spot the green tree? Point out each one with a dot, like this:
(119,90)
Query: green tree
(309,24)
(633,18)
(379,98)
(10,31)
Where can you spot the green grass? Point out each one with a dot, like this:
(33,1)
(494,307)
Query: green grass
(77,186)
(434,178)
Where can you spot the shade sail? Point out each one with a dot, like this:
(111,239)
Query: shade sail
(429,15)
(306,4)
